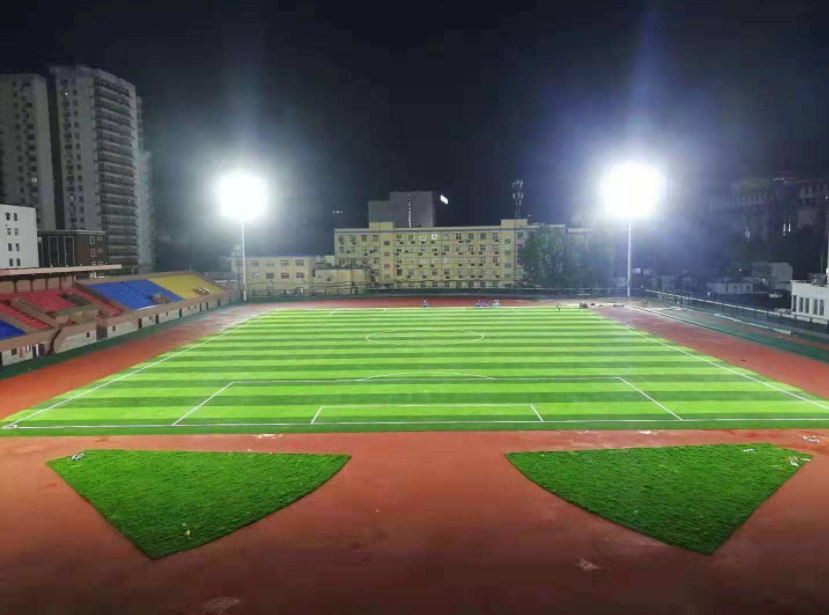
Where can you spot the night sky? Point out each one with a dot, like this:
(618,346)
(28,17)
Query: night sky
(337,103)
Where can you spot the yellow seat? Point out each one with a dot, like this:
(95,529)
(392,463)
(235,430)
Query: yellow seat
(185,286)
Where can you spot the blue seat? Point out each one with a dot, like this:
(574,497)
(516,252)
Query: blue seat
(7,331)
(134,294)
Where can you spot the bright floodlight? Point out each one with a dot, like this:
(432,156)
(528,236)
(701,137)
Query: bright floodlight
(242,196)
(632,190)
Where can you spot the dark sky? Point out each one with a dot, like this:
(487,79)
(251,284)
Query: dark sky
(336,103)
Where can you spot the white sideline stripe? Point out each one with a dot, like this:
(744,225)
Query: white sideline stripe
(665,408)
(314,420)
(189,412)
(108,382)
(420,405)
(728,369)
(533,422)
(536,413)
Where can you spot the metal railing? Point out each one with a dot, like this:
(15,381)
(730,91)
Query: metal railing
(779,316)
(376,290)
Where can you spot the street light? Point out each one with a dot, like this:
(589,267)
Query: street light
(242,197)
(632,190)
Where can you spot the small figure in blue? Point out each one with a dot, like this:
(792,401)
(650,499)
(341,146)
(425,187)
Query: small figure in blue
(425,303)
(485,305)
(496,303)
(478,303)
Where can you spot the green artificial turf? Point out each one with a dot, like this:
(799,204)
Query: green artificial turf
(689,496)
(414,369)
(155,497)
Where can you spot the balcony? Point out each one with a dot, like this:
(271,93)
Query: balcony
(110,137)
(116,128)
(114,180)
(113,87)
(105,157)
(113,98)
(107,191)
(118,241)
(123,204)
(122,171)
(121,110)
(101,115)
(119,150)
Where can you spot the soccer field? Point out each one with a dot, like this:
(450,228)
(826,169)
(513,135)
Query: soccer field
(424,369)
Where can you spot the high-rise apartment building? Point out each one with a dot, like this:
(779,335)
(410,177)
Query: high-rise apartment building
(408,209)
(25,147)
(100,167)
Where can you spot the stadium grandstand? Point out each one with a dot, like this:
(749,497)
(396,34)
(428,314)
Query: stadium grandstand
(46,311)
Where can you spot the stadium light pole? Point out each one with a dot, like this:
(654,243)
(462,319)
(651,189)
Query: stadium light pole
(242,197)
(631,191)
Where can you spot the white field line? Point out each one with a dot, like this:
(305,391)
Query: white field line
(192,410)
(108,382)
(728,369)
(533,422)
(314,420)
(420,405)
(536,413)
(665,408)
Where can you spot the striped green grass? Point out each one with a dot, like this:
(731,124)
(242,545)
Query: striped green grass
(424,369)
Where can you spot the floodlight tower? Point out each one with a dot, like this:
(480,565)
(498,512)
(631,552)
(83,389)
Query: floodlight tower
(242,197)
(630,191)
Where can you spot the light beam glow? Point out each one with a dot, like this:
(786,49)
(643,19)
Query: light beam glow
(632,190)
(242,196)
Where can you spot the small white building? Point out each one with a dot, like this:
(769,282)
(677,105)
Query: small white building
(724,287)
(810,298)
(776,276)
(18,237)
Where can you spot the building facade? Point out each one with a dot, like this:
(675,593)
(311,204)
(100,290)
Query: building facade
(299,274)
(101,169)
(26,173)
(436,257)
(771,208)
(72,248)
(408,209)
(18,237)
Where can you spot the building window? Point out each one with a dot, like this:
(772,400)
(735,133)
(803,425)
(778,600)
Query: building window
(284,263)
(299,263)
(284,275)
(300,275)
(822,306)
(269,276)
(806,304)
(434,236)
(794,303)
(254,263)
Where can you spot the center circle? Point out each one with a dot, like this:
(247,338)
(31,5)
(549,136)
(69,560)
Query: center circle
(450,337)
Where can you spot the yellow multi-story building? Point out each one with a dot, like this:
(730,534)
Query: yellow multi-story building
(299,274)
(436,257)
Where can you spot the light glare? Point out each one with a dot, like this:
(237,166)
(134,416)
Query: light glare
(632,190)
(242,196)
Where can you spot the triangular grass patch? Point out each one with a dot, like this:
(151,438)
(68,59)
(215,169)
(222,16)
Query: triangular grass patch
(689,496)
(170,501)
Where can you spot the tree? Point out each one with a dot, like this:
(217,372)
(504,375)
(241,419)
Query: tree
(552,258)
(542,257)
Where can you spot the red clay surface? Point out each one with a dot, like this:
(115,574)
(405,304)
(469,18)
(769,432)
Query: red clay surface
(434,523)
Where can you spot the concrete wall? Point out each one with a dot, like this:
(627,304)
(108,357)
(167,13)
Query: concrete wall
(16,355)
(121,328)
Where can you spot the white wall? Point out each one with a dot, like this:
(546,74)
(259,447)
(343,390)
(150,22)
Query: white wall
(18,237)
(810,300)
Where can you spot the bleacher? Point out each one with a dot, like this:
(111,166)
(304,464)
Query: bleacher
(134,294)
(107,308)
(30,321)
(47,301)
(187,286)
(7,331)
